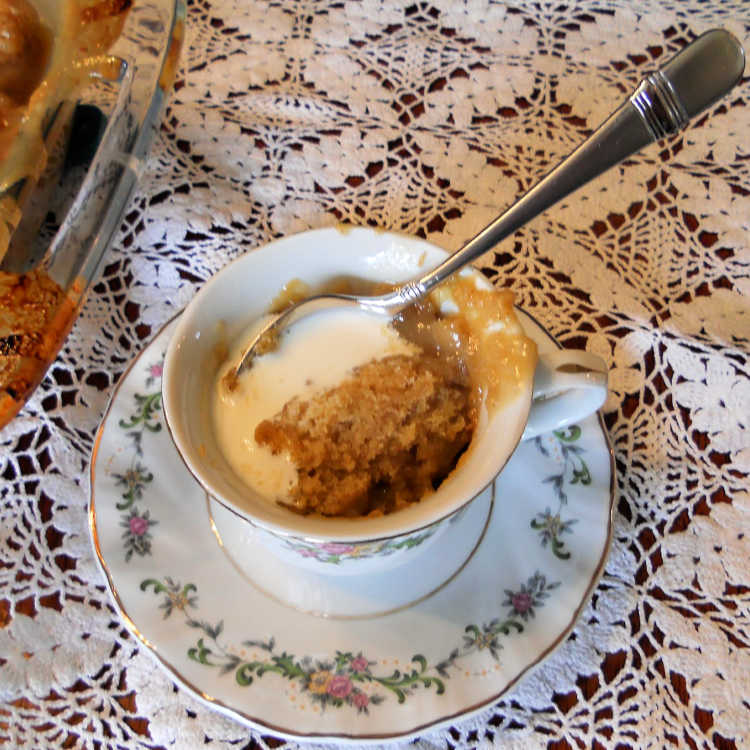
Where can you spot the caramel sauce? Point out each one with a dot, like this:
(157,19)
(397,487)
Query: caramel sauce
(47,49)
(296,290)
(482,339)
(470,328)
(24,53)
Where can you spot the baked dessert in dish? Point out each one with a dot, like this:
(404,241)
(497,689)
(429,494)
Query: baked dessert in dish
(24,52)
(48,51)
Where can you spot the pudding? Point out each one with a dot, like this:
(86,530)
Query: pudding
(352,416)
(316,355)
(383,438)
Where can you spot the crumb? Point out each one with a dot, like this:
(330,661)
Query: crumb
(34,315)
(230,380)
(267,342)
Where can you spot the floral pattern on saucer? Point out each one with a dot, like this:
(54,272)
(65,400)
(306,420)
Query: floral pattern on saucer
(573,470)
(136,477)
(342,678)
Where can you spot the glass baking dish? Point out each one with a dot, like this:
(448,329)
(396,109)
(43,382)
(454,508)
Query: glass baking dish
(97,145)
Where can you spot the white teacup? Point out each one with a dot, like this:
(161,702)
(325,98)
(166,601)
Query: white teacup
(567,387)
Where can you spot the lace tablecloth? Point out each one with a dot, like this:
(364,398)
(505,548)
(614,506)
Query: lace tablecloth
(428,118)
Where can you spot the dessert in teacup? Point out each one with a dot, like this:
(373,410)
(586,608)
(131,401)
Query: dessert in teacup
(352,416)
(454,378)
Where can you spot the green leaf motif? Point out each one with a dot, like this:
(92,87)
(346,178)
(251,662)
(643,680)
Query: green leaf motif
(176,597)
(200,653)
(136,478)
(569,434)
(348,678)
(244,675)
(575,471)
(147,406)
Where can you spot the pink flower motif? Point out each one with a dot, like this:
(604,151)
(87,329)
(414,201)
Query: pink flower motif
(335,548)
(359,664)
(340,686)
(156,370)
(522,602)
(138,525)
(360,700)
(307,552)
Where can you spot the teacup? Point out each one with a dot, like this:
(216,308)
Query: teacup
(567,387)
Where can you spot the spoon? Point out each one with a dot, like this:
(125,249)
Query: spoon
(661,105)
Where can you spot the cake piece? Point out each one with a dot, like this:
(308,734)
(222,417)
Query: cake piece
(381,440)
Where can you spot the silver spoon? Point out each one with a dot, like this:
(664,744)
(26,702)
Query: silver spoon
(661,105)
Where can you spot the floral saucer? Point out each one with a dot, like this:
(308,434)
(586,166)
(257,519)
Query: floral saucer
(539,552)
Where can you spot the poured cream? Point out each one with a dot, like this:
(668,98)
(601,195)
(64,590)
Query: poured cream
(316,354)
(467,324)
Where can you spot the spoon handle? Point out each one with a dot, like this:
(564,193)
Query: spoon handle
(662,104)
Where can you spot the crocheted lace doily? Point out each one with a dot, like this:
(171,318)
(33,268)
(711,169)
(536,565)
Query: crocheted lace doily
(428,118)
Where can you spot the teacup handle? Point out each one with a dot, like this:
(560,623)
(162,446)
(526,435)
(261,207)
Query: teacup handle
(569,385)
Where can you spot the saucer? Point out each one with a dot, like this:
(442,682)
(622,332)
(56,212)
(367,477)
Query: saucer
(388,671)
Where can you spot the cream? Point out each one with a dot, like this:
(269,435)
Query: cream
(316,354)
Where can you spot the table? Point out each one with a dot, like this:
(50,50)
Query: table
(427,118)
